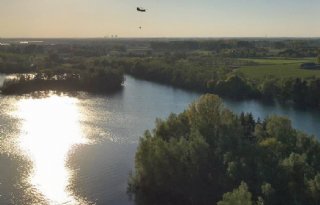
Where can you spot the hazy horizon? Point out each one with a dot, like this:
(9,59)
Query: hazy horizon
(165,19)
(146,38)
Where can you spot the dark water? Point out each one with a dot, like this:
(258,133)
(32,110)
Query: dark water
(306,120)
(112,126)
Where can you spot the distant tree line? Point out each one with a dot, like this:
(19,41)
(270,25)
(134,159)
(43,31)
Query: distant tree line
(215,75)
(206,65)
(302,92)
(93,80)
(209,155)
(186,71)
(243,48)
(15,63)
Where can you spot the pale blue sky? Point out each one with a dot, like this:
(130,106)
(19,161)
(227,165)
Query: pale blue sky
(165,18)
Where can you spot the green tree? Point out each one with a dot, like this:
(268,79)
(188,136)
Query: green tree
(239,196)
(269,89)
(314,189)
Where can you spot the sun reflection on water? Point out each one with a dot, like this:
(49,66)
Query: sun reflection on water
(50,127)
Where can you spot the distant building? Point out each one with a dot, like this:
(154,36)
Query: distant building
(310,66)
(4,44)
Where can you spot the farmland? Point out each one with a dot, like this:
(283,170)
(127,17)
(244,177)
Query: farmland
(259,68)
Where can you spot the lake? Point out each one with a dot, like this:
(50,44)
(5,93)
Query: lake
(79,149)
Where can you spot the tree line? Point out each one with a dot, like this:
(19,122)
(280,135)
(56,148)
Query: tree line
(214,74)
(93,80)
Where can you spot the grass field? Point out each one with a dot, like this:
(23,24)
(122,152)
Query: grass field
(278,61)
(278,67)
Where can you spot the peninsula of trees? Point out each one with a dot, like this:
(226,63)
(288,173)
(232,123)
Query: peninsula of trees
(208,155)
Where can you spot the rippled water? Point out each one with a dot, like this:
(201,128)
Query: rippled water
(80,149)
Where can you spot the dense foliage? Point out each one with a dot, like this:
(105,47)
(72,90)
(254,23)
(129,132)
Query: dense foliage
(192,71)
(302,92)
(97,80)
(15,63)
(209,155)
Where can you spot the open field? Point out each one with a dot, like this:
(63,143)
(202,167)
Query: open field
(278,61)
(278,67)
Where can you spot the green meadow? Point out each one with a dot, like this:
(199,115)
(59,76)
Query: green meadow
(278,67)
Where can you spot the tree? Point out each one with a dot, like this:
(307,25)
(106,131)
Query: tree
(239,196)
(299,91)
(235,87)
(314,189)
(269,89)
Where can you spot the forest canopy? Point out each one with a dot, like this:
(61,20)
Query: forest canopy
(209,155)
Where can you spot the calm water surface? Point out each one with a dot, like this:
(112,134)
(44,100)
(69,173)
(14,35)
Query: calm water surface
(80,149)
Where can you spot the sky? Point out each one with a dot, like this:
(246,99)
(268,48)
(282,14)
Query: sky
(164,18)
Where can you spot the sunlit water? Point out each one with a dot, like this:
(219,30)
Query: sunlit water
(82,148)
(50,127)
